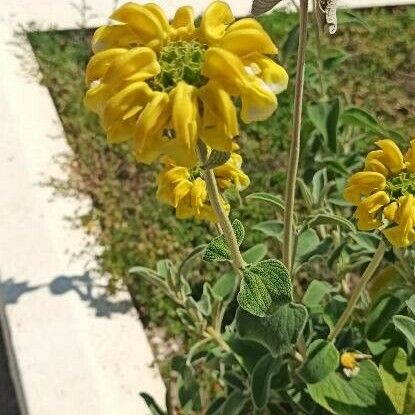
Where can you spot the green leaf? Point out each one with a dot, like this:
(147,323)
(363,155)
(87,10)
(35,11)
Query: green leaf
(234,403)
(215,408)
(225,285)
(406,325)
(255,254)
(265,286)
(410,303)
(152,405)
(272,228)
(398,379)
(204,305)
(348,17)
(249,351)
(189,395)
(363,394)
(216,159)
(322,359)
(309,245)
(314,295)
(331,219)
(278,332)
(151,276)
(365,240)
(268,197)
(381,314)
(319,182)
(261,378)
(306,193)
(194,253)
(217,249)
(325,117)
(290,44)
(361,118)
(335,59)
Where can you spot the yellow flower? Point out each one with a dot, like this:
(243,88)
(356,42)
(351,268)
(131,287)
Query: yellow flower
(230,173)
(162,85)
(185,189)
(350,362)
(384,193)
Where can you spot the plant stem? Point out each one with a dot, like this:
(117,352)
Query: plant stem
(295,143)
(369,271)
(223,219)
(224,224)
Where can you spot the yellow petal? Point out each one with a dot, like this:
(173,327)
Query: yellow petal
(160,16)
(148,135)
(410,157)
(403,235)
(181,190)
(121,111)
(143,23)
(167,181)
(375,202)
(138,64)
(220,122)
(390,211)
(96,98)
(367,211)
(366,221)
(258,101)
(216,18)
(184,122)
(363,184)
(183,23)
(274,75)
(198,195)
(100,62)
(245,41)
(246,23)
(374,162)
(113,36)
(392,156)
(231,173)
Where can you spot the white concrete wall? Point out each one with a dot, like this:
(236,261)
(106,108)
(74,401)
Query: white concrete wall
(69,359)
(76,352)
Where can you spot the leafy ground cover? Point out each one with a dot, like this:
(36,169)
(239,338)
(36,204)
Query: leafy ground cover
(126,221)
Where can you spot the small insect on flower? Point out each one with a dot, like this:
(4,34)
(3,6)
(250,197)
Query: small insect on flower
(350,362)
(384,193)
(163,85)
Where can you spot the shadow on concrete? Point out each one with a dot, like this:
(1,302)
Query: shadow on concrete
(87,289)
(13,290)
(92,293)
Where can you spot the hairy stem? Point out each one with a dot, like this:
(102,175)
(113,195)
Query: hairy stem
(358,290)
(295,143)
(224,224)
(223,219)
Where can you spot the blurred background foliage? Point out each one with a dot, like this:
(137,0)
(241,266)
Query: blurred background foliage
(368,63)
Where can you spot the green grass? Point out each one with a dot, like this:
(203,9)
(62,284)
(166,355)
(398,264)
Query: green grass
(366,65)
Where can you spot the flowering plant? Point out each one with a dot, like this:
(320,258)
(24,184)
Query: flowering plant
(300,334)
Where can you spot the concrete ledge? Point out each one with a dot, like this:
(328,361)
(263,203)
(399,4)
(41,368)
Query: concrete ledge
(76,351)
(72,350)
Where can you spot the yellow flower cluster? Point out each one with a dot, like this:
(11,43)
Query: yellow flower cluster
(384,193)
(163,85)
(186,191)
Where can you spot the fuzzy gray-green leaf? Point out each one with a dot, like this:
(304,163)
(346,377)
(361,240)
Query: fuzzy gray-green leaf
(217,249)
(278,332)
(265,286)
